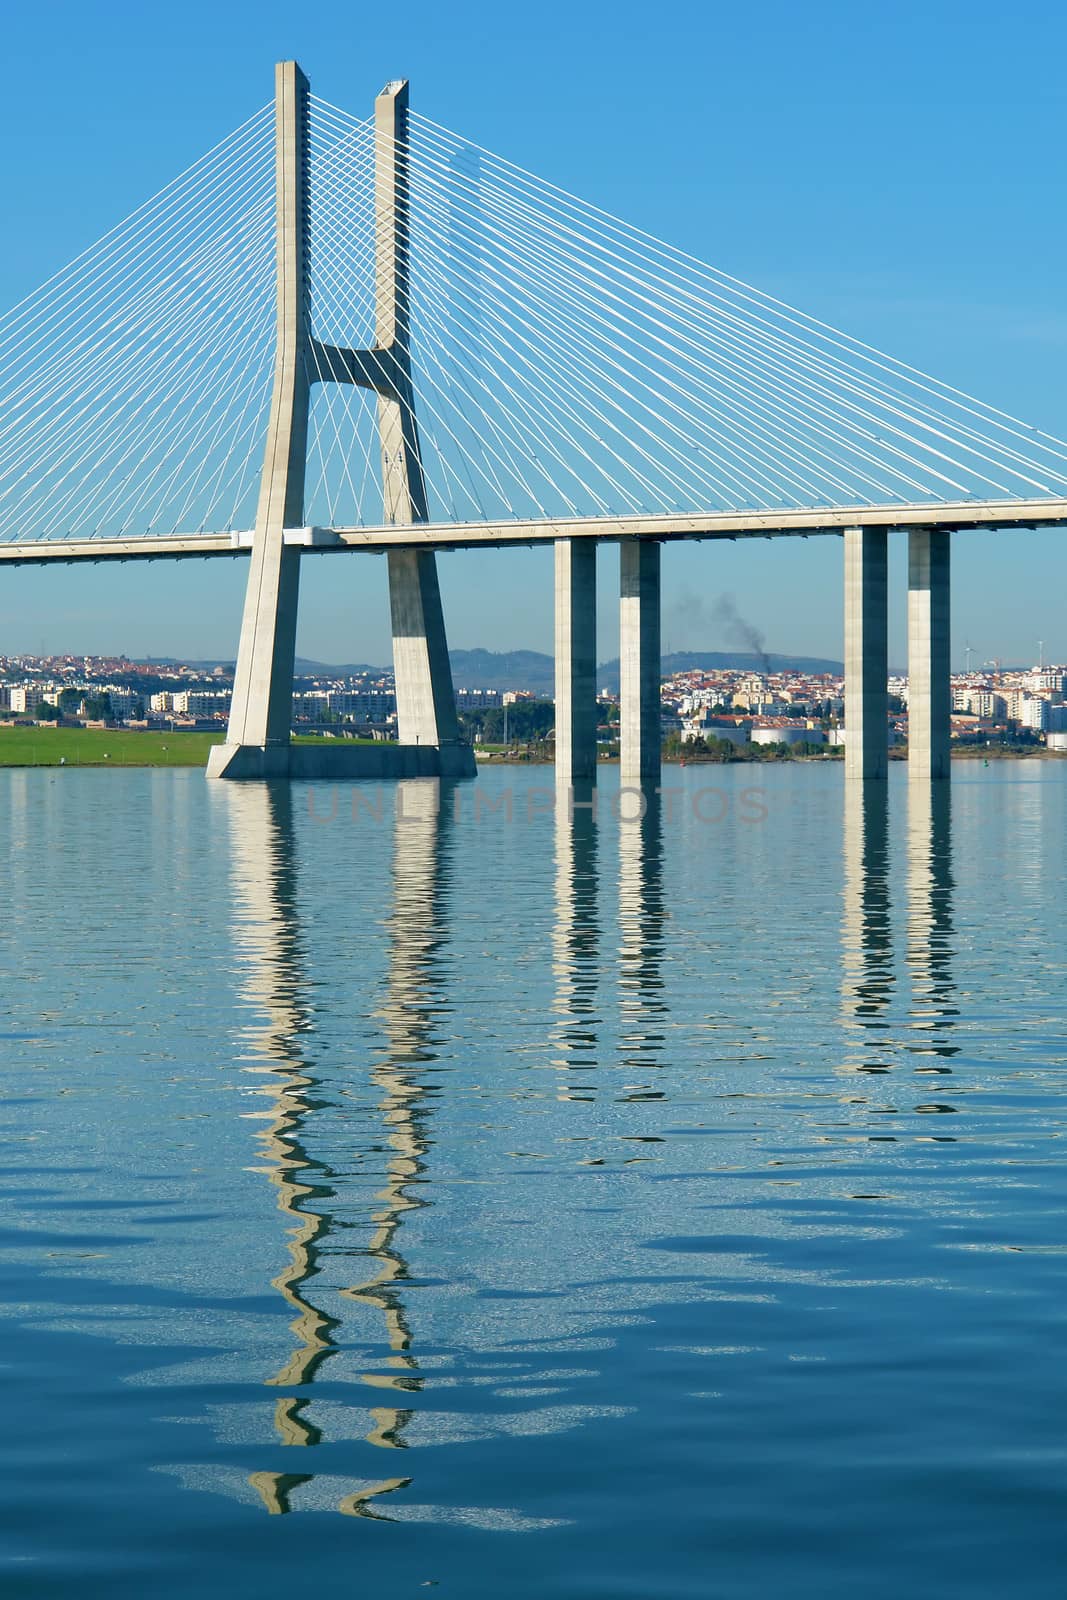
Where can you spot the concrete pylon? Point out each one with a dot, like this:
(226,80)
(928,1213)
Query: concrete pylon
(425,699)
(257,742)
(640,735)
(866,653)
(575,661)
(929,672)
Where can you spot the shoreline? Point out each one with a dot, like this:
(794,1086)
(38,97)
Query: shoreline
(22,748)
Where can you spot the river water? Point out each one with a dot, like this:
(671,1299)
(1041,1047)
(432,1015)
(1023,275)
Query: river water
(407,1189)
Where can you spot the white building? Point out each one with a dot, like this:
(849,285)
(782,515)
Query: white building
(124,703)
(202,703)
(696,699)
(1035,712)
(478,699)
(311,705)
(981,702)
(362,705)
(25,698)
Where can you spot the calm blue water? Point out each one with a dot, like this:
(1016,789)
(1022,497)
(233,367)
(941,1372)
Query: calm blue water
(527,1208)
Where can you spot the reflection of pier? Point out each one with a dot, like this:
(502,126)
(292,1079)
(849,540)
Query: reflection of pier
(575,943)
(269,942)
(930,926)
(641,932)
(416,932)
(867,954)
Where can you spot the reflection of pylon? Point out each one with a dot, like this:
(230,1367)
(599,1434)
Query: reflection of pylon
(358,1504)
(267,937)
(416,887)
(276,1490)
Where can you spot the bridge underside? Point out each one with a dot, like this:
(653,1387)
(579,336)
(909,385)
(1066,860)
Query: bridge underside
(866,660)
(425,754)
(955,518)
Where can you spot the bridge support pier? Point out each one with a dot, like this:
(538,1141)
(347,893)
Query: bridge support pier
(425,701)
(261,713)
(866,653)
(575,661)
(929,672)
(639,665)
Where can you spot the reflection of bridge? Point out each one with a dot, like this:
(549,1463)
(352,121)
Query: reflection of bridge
(464,356)
(359,1250)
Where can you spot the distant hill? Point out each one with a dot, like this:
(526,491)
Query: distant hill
(535,671)
(607,674)
(530,669)
(504,669)
(304,668)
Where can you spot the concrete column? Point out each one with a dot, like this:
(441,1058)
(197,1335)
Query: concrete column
(929,679)
(866,653)
(425,700)
(575,661)
(257,739)
(639,664)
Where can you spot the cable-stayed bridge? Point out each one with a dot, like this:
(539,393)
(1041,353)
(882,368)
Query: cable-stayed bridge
(335,333)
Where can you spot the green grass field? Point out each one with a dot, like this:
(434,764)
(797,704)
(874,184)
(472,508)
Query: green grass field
(314,738)
(102,747)
(122,747)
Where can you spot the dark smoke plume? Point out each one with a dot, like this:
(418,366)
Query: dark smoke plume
(738,630)
(689,616)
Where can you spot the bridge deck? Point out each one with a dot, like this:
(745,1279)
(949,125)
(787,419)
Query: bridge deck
(1045,512)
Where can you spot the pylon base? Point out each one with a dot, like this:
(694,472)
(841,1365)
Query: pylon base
(258,763)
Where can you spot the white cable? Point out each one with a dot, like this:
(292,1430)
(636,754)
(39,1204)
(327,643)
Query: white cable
(482,221)
(743,290)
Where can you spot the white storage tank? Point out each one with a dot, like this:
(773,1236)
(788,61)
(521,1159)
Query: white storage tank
(788,735)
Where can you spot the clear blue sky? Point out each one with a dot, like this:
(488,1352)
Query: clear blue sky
(896,169)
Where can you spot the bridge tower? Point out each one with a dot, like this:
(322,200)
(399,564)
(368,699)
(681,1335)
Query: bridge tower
(258,737)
